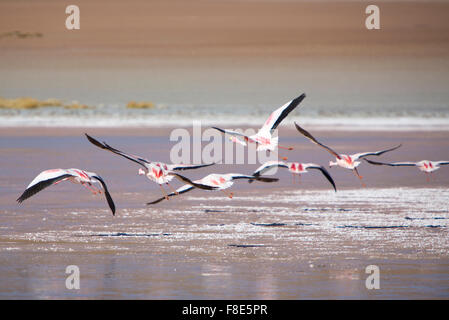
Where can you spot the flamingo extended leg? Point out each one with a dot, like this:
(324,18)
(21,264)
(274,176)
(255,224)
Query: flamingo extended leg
(282,158)
(427,177)
(286,148)
(165,193)
(89,188)
(356,172)
(174,190)
(299,178)
(95,188)
(293,177)
(230,194)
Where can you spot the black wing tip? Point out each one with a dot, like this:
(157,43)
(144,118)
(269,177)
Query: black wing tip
(219,129)
(265,179)
(91,139)
(303,131)
(335,188)
(155,201)
(197,166)
(95,141)
(394,148)
(106,193)
(188,181)
(326,175)
(300,98)
(298,127)
(373,162)
(111,205)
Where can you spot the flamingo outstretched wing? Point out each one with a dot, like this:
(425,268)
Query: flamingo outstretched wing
(105,146)
(257,178)
(375,153)
(311,138)
(106,193)
(236,176)
(393,164)
(442,163)
(234,134)
(192,183)
(269,165)
(43,180)
(279,114)
(172,167)
(323,171)
(183,189)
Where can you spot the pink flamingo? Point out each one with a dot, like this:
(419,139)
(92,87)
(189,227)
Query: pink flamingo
(155,171)
(263,138)
(296,168)
(425,166)
(55,176)
(214,181)
(343,160)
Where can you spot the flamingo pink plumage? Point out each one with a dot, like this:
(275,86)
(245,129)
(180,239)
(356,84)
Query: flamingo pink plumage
(263,138)
(155,171)
(296,168)
(212,182)
(54,176)
(343,160)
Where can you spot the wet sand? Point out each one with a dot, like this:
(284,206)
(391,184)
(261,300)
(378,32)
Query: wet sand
(233,29)
(271,241)
(228,51)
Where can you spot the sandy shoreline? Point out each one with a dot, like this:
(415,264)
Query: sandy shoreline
(236,28)
(232,53)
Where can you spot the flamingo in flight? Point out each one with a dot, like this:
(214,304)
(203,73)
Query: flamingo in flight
(343,160)
(263,138)
(213,182)
(155,171)
(296,168)
(425,166)
(54,176)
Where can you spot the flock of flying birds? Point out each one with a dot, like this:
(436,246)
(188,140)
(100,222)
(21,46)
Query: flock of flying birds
(163,173)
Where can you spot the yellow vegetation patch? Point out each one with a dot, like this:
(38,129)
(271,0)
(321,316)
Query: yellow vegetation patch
(21,35)
(28,103)
(76,105)
(31,103)
(140,105)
